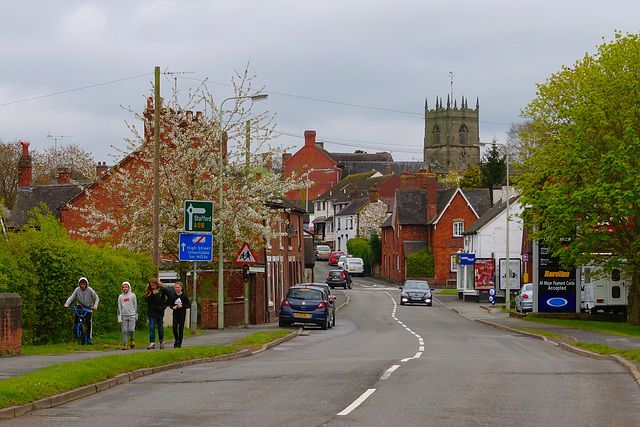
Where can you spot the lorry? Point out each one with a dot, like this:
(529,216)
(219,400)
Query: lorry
(603,291)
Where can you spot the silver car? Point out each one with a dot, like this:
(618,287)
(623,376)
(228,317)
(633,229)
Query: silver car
(524,298)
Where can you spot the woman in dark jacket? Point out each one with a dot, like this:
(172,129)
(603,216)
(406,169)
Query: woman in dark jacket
(156,296)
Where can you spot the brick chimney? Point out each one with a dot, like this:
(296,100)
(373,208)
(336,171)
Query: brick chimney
(24,167)
(285,157)
(432,195)
(373,193)
(63,176)
(310,138)
(387,170)
(101,168)
(354,194)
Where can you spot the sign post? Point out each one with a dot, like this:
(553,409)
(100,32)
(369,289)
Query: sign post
(245,257)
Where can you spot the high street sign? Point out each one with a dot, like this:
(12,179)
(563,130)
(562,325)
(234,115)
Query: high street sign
(198,216)
(195,247)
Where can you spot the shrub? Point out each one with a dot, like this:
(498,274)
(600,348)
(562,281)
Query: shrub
(420,264)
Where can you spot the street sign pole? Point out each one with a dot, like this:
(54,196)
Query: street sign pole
(194,304)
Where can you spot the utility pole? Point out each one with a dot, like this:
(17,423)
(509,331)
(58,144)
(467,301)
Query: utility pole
(156,170)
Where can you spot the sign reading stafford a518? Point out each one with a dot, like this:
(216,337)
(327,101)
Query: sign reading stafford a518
(198,216)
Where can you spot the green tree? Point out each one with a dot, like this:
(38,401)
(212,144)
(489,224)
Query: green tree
(9,157)
(360,248)
(583,179)
(472,178)
(494,169)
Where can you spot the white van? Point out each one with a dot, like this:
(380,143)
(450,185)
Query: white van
(355,266)
(606,293)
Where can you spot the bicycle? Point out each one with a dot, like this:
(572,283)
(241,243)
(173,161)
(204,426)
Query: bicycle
(79,327)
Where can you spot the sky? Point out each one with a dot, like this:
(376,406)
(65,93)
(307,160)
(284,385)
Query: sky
(357,72)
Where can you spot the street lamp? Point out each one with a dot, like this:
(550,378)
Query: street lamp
(253,98)
(507,297)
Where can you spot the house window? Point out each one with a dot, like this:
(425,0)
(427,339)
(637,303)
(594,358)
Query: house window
(458,228)
(454,266)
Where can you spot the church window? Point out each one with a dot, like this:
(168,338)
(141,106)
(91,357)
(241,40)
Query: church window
(436,135)
(462,134)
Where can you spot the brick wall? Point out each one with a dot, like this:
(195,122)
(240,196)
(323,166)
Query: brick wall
(233,314)
(10,324)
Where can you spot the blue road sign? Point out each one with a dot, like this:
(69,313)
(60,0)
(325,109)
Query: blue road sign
(195,247)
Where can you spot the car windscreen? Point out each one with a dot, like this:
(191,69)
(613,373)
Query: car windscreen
(416,285)
(305,294)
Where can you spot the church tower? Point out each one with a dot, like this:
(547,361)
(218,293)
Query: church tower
(450,136)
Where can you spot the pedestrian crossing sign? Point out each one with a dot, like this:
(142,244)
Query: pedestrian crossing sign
(246,255)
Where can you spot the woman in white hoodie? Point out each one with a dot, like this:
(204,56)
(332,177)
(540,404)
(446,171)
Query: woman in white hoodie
(127,314)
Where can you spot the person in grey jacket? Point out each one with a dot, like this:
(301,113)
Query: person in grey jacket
(85,298)
(127,314)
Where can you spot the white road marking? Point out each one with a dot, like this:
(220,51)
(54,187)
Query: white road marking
(389,372)
(357,402)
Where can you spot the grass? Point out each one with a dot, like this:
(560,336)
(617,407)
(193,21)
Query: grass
(448,292)
(56,379)
(630,354)
(103,342)
(614,328)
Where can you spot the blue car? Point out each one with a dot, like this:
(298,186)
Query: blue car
(306,304)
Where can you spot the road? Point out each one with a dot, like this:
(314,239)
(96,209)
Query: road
(383,364)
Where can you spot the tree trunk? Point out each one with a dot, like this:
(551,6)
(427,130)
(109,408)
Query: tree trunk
(633,307)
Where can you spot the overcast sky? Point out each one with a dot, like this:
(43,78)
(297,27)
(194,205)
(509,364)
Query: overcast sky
(357,72)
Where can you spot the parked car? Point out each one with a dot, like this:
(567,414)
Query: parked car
(332,299)
(354,266)
(307,304)
(323,252)
(524,298)
(339,278)
(415,291)
(341,261)
(334,256)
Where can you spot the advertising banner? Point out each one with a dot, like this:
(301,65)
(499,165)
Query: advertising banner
(484,273)
(514,273)
(556,286)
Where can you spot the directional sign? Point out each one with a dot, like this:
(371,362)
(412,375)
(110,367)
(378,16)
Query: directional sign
(198,216)
(195,247)
(246,255)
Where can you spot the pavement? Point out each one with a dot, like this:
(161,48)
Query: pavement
(483,313)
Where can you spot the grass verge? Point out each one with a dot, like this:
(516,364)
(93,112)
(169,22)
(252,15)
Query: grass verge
(448,292)
(630,354)
(60,378)
(621,329)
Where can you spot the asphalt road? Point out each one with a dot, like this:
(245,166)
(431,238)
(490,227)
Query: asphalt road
(383,364)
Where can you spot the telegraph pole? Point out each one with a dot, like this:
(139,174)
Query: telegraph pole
(156,170)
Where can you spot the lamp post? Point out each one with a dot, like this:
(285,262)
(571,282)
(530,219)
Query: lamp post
(507,297)
(253,98)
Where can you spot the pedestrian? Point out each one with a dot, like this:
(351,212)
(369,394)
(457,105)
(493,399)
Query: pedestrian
(127,314)
(179,302)
(85,298)
(156,296)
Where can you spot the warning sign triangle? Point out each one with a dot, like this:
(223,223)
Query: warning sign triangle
(246,255)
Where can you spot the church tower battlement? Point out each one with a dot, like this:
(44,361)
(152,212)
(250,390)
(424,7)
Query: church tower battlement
(451,135)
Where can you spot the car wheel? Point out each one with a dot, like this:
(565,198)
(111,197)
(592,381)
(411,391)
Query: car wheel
(401,303)
(334,319)
(325,325)
(283,323)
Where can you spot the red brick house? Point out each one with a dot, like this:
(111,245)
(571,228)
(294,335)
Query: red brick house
(424,216)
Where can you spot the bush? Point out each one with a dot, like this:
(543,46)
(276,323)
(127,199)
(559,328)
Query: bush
(360,248)
(421,264)
(43,264)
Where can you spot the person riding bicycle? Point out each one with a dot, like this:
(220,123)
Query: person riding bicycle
(85,298)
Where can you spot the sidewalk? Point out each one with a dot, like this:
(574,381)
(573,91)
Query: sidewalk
(12,366)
